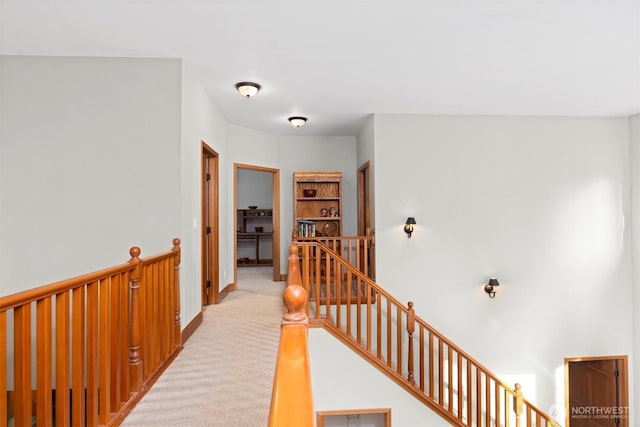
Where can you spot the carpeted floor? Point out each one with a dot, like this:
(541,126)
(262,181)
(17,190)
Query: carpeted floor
(224,375)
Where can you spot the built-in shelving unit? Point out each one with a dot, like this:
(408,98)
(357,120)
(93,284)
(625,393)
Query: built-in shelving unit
(249,235)
(320,214)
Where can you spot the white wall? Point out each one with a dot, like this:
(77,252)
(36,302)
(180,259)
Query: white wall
(342,380)
(202,121)
(634,161)
(289,154)
(254,188)
(365,151)
(89,164)
(541,204)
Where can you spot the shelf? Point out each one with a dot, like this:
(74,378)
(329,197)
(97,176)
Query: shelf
(247,219)
(320,218)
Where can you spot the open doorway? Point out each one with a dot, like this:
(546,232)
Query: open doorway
(256,201)
(597,391)
(210,235)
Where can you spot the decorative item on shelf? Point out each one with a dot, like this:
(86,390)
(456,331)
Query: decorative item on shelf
(259,229)
(306,228)
(408,226)
(324,212)
(330,229)
(253,207)
(333,211)
(309,192)
(490,287)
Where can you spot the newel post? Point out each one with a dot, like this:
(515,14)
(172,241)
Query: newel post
(176,292)
(135,353)
(411,327)
(291,397)
(517,403)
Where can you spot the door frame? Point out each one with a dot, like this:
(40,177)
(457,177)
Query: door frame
(211,217)
(275,200)
(623,368)
(364,198)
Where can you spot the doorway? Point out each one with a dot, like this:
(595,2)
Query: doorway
(210,235)
(273,211)
(597,392)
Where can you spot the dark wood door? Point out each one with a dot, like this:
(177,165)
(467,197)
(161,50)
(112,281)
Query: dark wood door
(596,394)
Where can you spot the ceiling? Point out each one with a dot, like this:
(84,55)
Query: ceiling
(338,61)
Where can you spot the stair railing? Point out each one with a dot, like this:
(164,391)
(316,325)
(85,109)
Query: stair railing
(291,398)
(393,338)
(97,342)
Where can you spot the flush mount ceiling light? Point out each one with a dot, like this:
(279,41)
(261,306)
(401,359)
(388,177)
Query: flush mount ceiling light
(247,89)
(297,121)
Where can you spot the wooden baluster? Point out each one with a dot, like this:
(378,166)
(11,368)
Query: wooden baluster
(135,361)
(517,403)
(177,341)
(92,385)
(78,355)
(3,365)
(411,327)
(22,364)
(44,362)
(63,405)
(291,399)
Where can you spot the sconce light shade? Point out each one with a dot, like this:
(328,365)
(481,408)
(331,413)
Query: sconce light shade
(297,121)
(247,89)
(408,226)
(490,287)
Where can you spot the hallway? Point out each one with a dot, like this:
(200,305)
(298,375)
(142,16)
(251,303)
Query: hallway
(224,374)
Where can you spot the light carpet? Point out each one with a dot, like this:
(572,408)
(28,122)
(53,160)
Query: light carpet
(224,374)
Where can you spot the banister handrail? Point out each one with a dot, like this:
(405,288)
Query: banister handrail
(291,399)
(330,281)
(12,300)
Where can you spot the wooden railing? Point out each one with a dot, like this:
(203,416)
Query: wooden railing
(398,342)
(358,251)
(291,399)
(83,350)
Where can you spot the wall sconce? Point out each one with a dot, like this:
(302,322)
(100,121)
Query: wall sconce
(408,226)
(490,287)
(248,89)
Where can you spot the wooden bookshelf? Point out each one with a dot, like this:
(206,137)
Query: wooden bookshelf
(324,208)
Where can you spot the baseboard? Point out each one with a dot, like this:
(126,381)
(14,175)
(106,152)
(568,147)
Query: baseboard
(191,327)
(283,277)
(223,293)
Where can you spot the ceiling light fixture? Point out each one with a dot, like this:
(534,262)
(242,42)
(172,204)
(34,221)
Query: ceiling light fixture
(297,121)
(247,89)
